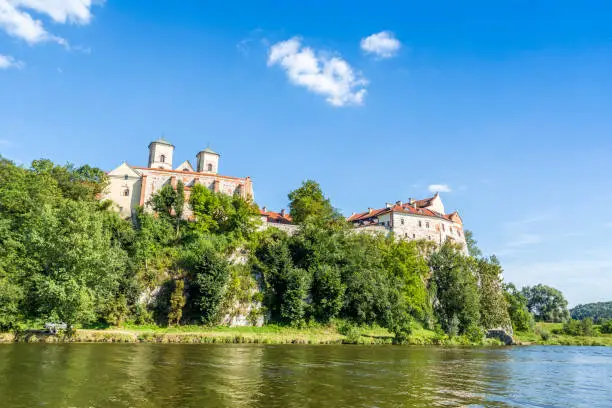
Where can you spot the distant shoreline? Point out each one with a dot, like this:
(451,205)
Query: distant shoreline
(276,335)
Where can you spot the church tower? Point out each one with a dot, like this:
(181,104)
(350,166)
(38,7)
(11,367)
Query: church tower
(160,154)
(208,161)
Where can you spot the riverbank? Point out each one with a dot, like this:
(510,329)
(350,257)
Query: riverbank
(550,334)
(544,334)
(223,335)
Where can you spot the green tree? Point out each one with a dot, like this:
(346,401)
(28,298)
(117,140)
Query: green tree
(456,289)
(521,318)
(599,311)
(404,261)
(493,305)
(327,292)
(177,302)
(307,203)
(472,244)
(209,273)
(547,304)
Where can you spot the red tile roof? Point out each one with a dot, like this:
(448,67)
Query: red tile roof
(405,208)
(189,172)
(277,217)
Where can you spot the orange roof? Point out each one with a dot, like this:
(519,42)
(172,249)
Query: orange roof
(404,208)
(190,172)
(277,217)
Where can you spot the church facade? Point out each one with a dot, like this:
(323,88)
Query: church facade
(132,186)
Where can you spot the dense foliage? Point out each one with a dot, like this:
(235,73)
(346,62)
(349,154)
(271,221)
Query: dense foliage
(599,311)
(547,304)
(65,256)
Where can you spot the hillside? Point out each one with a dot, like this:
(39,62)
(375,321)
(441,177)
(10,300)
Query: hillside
(597,311)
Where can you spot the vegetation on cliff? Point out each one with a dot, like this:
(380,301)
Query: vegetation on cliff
(65,256)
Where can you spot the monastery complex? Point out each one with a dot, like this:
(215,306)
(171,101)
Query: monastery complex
(131,187)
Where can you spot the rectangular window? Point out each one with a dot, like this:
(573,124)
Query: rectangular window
(420,224)
(427,224)
(402,221)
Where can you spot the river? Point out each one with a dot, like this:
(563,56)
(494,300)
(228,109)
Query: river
(156,375)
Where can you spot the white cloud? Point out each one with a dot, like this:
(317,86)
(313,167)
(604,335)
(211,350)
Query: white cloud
(332,77)
(17,21)
(6,62)
(383,44)
(608,225)
(439,188)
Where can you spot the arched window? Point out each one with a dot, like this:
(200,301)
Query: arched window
(126,192)
(185,169)
(125,177)
(162,158)
(210,167)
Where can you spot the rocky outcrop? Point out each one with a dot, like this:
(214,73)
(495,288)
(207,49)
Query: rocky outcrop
(502,335)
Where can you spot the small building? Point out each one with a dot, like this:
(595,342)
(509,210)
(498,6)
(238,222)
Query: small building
(413,220)
(133,186)
(281,220)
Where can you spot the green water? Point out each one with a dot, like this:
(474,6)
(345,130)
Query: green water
(150,375)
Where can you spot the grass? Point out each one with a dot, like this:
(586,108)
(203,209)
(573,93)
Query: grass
(270,334)
(544,334)
(550,334)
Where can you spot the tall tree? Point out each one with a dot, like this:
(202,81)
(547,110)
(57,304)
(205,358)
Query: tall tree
(546,303)
(472,244)
(493,306)
(522,319)
(457,302)
(307,203)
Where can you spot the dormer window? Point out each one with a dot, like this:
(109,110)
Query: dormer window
(162,158)
(210,167)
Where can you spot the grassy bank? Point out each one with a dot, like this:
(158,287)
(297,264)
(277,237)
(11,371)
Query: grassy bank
(255,335)
(550,334)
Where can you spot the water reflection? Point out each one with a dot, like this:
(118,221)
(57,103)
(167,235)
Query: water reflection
(101,375)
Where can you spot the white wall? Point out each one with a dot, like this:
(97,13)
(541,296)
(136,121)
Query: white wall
(156,150)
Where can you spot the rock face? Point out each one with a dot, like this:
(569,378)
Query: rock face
(502,335)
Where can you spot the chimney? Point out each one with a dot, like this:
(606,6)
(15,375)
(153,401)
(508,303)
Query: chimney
(388,205)
(264,209)
(370,209)
(283,212)
(399,203)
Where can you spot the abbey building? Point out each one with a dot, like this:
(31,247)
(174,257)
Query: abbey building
(133,186)
(413,220)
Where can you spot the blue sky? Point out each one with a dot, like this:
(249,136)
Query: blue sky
(508,106)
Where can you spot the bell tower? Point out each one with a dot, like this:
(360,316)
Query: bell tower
(208,161)
(160,154)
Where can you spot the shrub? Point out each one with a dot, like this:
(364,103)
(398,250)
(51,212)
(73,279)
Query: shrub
(351,332)
(606,327)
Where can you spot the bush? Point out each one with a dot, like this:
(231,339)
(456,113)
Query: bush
(606,327)
(351,332)
(543,333)
(475,333)
(575,327)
